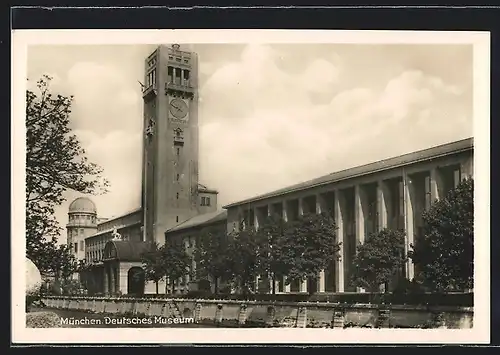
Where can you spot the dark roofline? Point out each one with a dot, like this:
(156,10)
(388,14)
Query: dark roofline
(210,191)
(121,216)
(181,227)
(366,169)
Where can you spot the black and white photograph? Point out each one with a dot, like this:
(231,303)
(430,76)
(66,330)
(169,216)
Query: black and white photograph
(325,184)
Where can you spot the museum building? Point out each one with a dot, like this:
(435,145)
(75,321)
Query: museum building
(389,193)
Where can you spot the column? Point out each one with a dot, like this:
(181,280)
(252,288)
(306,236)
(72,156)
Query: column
(320,203)
(467,168)
(270,210)
(301,206)
(112,278)
(359,214)
(409,223)
(428,197)
(321,281)
(435,184)
(382,199)
(303,284)
(123,277)
(339,268)
(287,288)
(456,177)
(106,280)
(359,218)
(256,218)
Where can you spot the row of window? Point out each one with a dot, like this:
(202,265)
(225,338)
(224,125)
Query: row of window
(82,217)
(76,232)
(74,246)
(205,201)
(151,78)
(179,59)
(94,255)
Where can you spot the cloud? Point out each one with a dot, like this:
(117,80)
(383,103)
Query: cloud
(255,140)
(105,97)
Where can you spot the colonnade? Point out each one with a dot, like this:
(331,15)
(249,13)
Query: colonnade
(394,201)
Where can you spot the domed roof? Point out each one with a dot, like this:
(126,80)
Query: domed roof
(82,204)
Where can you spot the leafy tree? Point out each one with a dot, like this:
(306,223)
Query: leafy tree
(309,244)
(242,258)
(270,244)
(445,254)
(153,264)
(176,261)
(379,259)
(55,162)
(211,254)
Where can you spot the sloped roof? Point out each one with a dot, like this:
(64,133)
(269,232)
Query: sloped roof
(386,164)
(127,250)
(200,220)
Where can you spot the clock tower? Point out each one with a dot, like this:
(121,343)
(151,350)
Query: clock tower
(170,141)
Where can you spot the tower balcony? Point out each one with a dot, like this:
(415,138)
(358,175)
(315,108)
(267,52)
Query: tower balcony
(149,92)
(179,89)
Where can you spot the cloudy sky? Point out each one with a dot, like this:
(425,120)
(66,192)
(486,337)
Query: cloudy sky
(270,115)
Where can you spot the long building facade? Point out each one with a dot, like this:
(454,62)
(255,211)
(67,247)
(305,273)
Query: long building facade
(391,193)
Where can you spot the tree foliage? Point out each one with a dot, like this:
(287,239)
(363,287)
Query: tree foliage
(176,261)
(211,254)
(153,264)
(445,254)
(379,259)
(309,244)
(270,244)
(55,162)
(242,259)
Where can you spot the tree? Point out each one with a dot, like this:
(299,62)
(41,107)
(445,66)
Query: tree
(270,244)
(242,258)
(176,261)
(445,254)
(211,254)
(55,162)
(153,264)
(379,259)
(309,245)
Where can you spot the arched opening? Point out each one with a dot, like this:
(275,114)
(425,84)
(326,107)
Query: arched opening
(136,281)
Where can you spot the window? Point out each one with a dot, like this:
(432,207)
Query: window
(177,218)
(177,177)
(76,247)
(202,201)
(207,201)
(178,151)
(177,195)
(170,73)
(178,59)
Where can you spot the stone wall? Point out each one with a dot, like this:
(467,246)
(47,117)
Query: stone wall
(229,313)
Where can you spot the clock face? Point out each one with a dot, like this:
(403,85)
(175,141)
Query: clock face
(178,108)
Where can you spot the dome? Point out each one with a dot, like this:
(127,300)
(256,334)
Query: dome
(82,204)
